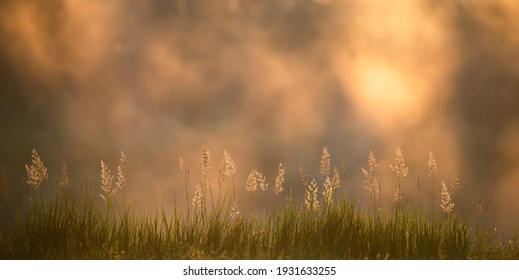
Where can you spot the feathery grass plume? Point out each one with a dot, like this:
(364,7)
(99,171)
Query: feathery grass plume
(280,179)
(325,163)
(106,185)
(206,183)
(4,185)
(371,183)
(336,180)
(63,179)
(446,205)
(432,165)
(251,185)
(121,172)
(206,168)
(328,191)
(399,166)
(228,164)
(433,170)
(36,172)
(455,183)
(227,168)
(234,213)
(311,201)
(397,197)
(262,181)
(197,197)
(401,171)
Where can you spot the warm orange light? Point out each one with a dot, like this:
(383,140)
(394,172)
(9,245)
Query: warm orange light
(384,93)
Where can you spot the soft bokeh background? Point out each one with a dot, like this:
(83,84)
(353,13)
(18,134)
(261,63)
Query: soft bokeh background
(270,81)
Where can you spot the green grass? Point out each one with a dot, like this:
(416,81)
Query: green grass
(64,228)
(59,225)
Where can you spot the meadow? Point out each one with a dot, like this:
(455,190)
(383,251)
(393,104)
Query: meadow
(62,224)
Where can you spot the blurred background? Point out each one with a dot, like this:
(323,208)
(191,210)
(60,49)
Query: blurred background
(271,82)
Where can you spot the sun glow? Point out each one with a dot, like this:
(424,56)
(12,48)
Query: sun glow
(385,94)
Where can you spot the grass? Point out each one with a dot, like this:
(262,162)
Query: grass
(63,226)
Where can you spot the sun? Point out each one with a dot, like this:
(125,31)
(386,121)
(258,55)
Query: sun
(385,94)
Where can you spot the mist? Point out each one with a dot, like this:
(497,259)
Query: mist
(269,81)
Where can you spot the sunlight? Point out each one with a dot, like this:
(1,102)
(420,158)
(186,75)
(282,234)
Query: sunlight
(385,94)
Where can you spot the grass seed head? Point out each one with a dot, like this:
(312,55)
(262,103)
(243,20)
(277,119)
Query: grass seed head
(280,179)
(183,170)
(432,165)
(371,183)
(446,205)
(251,185)
(328,191)
(197,198)
(372,161)
(325,163)
(399,166)
(206,168)
(336,181)
(262,181)
(121,172)
(234,209)
(229,167)
(311,201)
(455,183)
(36,172)
(106,184)
(396,196)
(63,179)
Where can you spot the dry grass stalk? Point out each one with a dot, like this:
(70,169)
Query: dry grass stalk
(121,172)
(325,163)
(255,180)
(251,185)
(36,172)
(184,172)
(336,180)
(446,205)
(401,171)
(311,201)
(106,184)
(197,198)
(229,167)
(280,179)
(328,191)
(371,183)
(433,170)
(399,166)
(206,168)
(234,213)
(455,183)
(64,179)
(262,181)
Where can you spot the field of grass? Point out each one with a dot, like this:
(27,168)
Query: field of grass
(59,225)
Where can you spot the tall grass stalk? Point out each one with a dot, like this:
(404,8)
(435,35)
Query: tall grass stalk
(72,227)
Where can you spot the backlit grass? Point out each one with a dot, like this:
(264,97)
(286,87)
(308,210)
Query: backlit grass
(59,225)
